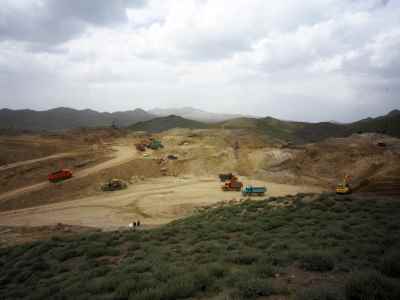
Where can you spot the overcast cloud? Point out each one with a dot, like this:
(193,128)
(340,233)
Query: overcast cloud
(304,60)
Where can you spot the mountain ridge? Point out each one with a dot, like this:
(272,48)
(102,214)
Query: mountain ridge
(61,118)
(165,123)
(195,114)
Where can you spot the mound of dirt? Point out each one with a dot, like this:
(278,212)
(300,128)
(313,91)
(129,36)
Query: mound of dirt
(361,156)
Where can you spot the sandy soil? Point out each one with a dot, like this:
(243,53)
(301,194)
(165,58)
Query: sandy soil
(154,202)
(122,155)
(32,161)
(192,180)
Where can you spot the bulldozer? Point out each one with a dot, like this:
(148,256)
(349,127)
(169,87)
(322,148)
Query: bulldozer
(114,185)
(344,188)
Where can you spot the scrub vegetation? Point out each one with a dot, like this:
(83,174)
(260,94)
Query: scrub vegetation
(331,248)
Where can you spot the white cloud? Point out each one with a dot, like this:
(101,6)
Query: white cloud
(251,56)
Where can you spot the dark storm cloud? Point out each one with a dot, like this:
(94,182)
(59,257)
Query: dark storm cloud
(52,22)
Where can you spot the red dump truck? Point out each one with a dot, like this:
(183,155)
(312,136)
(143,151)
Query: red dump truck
(141,147)
(59,175)
(232,185)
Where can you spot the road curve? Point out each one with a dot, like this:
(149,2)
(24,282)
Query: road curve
(122,155)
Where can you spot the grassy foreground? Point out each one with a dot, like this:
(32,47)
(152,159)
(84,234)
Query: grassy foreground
(331,248)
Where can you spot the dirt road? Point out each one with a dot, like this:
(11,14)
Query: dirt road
(31,161)
(154,202)
(122,154)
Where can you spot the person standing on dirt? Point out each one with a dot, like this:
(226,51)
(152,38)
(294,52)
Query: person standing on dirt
(138,223)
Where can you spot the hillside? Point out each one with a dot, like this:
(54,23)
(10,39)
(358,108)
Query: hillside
(193,114)
(273,128)
(302,132)
(165,123)
(301,247)
(67,118)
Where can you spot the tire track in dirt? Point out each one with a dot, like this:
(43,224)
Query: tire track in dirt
(122,155)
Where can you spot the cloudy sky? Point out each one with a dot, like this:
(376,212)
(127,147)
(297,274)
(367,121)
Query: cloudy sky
(301,60)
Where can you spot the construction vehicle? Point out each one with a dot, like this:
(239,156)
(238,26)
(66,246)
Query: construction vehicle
(155,145)
(59,175)
(254,190)
(225,177)
(114,185)
(344,188)
(140,147)
(232,185)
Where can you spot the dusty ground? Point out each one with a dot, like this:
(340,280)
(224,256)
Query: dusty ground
(153,202)
(26,199)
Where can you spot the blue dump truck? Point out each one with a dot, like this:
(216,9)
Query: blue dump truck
(254,190)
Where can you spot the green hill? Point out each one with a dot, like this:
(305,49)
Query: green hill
(252,250)
(302,132)
(165,123)
(389,124)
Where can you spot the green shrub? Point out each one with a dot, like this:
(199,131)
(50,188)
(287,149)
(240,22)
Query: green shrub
(243,259)
(217,270)
(253,287)
(264,270)
(390,265)
(180,287)
(149,294)
(318,293)
(142,267)
(317,261)
(371,285)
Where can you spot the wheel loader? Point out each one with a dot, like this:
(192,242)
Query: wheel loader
(114,185)
(344,188)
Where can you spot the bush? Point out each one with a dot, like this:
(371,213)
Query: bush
(243,259)
(264,270)
(251,288)
(217,270)
(317,261)
(318,293)
(371,286)
(390,265)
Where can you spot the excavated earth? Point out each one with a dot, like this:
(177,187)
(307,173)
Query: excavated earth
(161,190)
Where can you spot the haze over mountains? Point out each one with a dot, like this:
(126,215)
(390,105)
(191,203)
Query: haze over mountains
(158,120)
(194,114)
(65,118)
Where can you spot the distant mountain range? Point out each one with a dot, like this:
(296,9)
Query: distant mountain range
(165,123)
(194,114)
(66,118)
(141,120)
(302,132)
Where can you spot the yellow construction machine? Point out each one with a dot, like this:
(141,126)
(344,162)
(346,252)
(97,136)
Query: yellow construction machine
(344,188)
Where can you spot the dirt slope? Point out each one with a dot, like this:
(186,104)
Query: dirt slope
(122,154)
(327,162)
(153,201)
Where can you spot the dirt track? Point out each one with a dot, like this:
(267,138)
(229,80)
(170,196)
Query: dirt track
(31,161)
(122,155)
(192,180)
(154,202)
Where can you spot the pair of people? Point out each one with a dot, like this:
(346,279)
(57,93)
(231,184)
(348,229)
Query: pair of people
(134,224)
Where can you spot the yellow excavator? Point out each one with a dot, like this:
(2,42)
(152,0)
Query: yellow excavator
(344,188)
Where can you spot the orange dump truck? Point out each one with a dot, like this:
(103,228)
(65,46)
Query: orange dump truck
(232,185)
